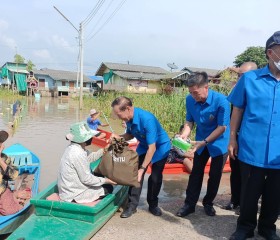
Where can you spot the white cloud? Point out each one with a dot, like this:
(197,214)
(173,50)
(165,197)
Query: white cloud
(32,36)
(8,41)
(42,53)
(60,42)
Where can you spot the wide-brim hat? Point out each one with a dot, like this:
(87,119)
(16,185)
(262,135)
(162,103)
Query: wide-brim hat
(80,132)
(92,111)
(3,136)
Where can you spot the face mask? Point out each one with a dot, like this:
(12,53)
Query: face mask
(277,64)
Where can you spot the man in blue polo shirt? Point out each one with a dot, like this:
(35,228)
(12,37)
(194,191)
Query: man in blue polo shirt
(256,110)
(153,147)
(210,111)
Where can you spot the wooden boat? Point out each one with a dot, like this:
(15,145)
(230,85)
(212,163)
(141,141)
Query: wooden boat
(103,142)
(177,168)
(27,163)
(62,220)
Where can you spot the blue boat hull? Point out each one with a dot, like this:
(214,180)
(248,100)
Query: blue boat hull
(27,162)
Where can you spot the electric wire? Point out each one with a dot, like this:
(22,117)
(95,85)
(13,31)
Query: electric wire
(93,12)
(98,21)
(108,19)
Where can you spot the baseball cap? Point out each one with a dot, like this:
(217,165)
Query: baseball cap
(273,40)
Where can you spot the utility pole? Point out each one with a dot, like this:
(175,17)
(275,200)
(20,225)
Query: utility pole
(81,58)
(81,65)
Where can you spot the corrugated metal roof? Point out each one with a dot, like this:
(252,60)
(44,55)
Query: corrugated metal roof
(139,75)
(60,74)
(16,70)
(129,68)
(210,72)
(174,75)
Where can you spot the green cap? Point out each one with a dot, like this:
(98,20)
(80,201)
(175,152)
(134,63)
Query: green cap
(80,132)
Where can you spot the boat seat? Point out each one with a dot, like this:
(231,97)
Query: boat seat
(21,159)
(55,197)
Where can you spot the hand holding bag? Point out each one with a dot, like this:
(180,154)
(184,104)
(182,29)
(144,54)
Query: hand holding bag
(120,164)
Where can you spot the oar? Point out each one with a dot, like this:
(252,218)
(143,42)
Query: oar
(108,122)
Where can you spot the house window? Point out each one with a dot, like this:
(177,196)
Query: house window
(84,84)
(42,82)
(63,83)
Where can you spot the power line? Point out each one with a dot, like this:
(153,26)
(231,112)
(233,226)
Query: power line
(108,19)
(93,12)
(97,22)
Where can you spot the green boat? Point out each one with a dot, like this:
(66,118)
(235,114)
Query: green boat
(62,220)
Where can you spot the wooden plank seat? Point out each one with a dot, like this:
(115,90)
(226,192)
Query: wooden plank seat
(55,197)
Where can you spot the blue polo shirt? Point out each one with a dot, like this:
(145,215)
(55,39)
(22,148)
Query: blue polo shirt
(214,112)
(258,93)
(147,130)
(93,124)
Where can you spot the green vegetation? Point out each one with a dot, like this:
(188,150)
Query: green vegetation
(20,59)
(252,54)
(227,81)
(169,109)
(6,93)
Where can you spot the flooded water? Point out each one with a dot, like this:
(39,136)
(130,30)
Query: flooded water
(42,129)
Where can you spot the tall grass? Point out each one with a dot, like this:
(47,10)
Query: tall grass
(170,109)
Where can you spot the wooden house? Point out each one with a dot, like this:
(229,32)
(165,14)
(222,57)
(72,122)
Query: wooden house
(131,78)
(60,83)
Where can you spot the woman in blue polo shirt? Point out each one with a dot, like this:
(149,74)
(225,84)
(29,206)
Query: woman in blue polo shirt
(153,147)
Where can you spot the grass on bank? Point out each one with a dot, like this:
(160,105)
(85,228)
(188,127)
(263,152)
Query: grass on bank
(170,109)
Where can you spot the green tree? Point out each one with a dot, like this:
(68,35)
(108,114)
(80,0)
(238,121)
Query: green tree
(30,65)
(19,59)
(252,54)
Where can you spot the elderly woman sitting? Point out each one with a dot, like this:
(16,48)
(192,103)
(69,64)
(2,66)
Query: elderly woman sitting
(10,201)
(76,182)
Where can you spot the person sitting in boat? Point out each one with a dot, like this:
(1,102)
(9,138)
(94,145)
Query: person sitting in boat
(94,122)
(76,182)
(10,201)
(178,156)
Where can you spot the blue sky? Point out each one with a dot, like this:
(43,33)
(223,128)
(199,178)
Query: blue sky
(201,33)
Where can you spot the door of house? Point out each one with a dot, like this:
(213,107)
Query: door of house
(41,83)
(71,85)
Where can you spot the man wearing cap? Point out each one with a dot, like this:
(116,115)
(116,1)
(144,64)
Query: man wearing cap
(256,112)
(153,147)
(94,122)
(75,182)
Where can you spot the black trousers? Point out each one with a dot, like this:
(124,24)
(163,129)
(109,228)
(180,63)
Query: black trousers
(196,178)
(235,181)
(154,185)
(259,182)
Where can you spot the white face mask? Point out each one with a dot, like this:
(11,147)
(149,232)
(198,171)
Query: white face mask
(277,64)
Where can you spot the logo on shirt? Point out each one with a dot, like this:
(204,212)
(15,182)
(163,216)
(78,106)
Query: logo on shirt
(211,117)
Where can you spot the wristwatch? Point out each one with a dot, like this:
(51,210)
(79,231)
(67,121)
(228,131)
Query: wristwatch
(206,142)
(142,167)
